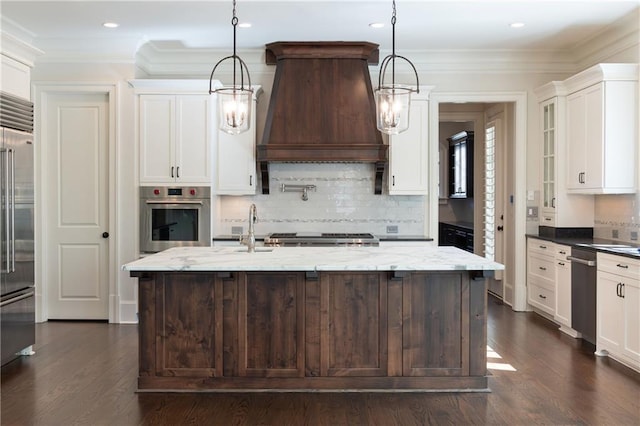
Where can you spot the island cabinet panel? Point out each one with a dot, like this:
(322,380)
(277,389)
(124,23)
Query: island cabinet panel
(353,324)
(436,325)
(189,329)
(271,324)
(312,330)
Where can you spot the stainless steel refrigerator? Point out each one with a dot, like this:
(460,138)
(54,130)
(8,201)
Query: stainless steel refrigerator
(17,295)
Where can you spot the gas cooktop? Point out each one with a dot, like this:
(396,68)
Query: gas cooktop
(284,239)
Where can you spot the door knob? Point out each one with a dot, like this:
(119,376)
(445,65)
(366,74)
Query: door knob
(105,235)
(500,228)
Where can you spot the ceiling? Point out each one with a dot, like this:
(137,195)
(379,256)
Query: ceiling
(421,25)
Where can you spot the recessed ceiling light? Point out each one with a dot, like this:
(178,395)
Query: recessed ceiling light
(517,25)
(110,25)
(376,25)
(245,25)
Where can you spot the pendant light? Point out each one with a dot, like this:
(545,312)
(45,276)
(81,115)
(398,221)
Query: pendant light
(393,100)
(234,101)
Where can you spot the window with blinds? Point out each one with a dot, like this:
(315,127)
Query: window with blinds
(490,193)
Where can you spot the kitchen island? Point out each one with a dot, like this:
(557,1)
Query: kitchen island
(322,318)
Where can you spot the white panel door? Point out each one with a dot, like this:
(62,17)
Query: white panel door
(76,189)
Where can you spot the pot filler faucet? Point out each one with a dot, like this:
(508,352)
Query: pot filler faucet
(250,239)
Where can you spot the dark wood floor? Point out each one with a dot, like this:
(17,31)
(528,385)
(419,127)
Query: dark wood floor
(85,374)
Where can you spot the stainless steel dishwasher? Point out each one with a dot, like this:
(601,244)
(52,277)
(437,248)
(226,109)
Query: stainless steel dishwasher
(583,292)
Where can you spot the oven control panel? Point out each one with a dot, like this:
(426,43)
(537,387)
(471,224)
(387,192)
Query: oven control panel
(169,192)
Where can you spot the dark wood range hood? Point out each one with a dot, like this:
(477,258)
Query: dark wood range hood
(322,107)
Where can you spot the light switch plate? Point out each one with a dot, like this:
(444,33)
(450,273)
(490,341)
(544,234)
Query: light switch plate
(392,229)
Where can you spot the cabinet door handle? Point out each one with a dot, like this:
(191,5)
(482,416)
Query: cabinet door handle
(542,297)
(562,252)
(619,265)
(553,202)
(581,177)
(250,180)
(178,171)
(543,247)
(548,219)
(172,171)
(542,268)
(561,263)
(393,180)
(622,290)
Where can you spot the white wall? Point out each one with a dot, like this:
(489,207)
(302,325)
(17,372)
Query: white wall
(344,196)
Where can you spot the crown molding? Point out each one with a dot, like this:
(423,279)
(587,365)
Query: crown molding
(18,49)
(620,36)
(154,59)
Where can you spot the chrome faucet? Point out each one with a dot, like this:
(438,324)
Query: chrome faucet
(250,239)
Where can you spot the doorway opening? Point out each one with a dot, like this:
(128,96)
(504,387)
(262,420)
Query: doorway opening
(480,215)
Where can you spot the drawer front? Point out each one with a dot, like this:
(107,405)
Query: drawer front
(562,252)
(547,219)
(540,246)
(541,297)
(542,266)
(619,265)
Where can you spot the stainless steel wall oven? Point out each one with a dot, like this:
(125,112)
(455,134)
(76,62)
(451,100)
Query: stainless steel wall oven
(174,217)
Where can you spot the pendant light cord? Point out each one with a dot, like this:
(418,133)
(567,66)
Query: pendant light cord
(393,44)
(234,22)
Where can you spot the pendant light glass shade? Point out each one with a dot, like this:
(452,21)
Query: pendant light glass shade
(393,101)
(234,101)
(234,109)
(392,109)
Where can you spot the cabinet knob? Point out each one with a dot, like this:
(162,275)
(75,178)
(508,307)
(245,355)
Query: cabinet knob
(105,235)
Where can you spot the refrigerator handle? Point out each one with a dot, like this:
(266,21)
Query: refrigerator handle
(13,210)
(6,264)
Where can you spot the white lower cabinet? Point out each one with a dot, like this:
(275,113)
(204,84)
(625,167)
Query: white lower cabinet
(563,287)
(541,292)
(618,309)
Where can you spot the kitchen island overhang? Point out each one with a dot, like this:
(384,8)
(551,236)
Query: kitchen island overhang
(297,319)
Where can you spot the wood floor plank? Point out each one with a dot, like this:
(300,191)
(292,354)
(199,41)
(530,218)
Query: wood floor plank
(85,374)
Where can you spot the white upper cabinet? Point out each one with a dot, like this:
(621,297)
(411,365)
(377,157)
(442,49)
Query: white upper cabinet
(235,172)
(175,131)
(175,139)
(602,130)
(557,207)
(15,77)
(409,151)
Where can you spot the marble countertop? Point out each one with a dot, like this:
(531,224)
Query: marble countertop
(313,259)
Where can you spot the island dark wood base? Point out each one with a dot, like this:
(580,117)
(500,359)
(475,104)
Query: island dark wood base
(312,331)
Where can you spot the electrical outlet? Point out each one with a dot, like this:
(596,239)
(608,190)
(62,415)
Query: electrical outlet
(236,230)
(392,229)
(614,233)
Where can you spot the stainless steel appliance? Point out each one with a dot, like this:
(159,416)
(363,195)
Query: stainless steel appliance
(320,239)
(583,292)
(174,217)
(17,284)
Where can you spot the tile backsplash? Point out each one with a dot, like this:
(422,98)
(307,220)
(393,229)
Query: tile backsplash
(343,201)
(619,213)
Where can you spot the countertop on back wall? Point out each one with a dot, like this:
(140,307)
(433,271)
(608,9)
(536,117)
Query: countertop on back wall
(588,242)
(459,223)
(380,237)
